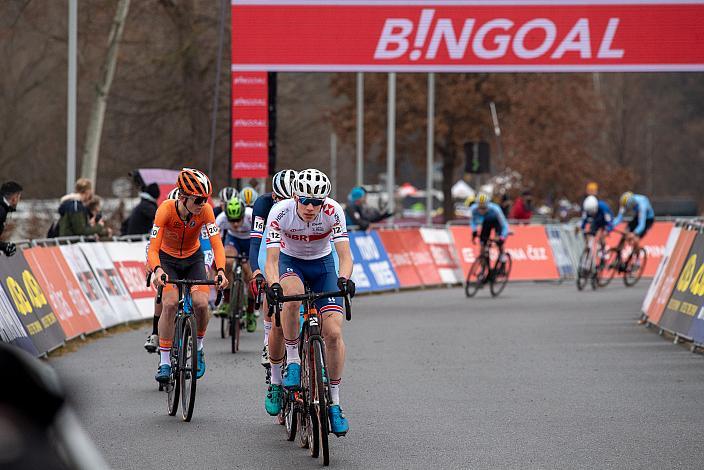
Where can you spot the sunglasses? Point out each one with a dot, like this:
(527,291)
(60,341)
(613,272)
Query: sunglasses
(199,200)
(309,200)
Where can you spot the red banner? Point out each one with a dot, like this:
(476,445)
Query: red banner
(529,248)
(399,257)
(420,256)
(455,35)
(250,124)
(63,292)
(653,242)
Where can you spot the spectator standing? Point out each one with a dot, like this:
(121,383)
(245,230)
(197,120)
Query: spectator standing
(10,194)
(73,213)
(358,213)
(142,217)
(522,208)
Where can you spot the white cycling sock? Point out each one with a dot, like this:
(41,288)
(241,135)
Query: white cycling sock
(276,377)
(165,355)
(267,330)
(199,342)
(292,356)
(335,391)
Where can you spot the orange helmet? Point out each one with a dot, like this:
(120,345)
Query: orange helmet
(193,182)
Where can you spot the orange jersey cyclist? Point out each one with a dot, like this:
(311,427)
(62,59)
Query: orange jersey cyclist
(299,250)
(174,250)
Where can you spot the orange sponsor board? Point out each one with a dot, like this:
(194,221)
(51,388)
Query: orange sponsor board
(132,274)
(670,275)
(528,246)
(654,243)
(63,292)
(400,259)
(420,256)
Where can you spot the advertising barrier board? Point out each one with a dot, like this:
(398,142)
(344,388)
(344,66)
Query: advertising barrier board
(128,259)
(439,243)
(31,304)
(398,256)
(11,329)
(372,268)
(63,292)
(657,280)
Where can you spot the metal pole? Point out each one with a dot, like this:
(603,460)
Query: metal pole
(497,133)
(216,95)
(431,145)
(333,164)
(360,128)
(391,143)
(72,80)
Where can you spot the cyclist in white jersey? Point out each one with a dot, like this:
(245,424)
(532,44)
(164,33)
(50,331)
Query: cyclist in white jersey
(298,251)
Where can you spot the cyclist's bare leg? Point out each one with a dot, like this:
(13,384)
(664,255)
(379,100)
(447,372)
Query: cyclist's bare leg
(290,317)
(276,353)
(334,352)
(200,307)
(166,325)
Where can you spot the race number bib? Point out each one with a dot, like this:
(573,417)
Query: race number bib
(155,231)
(213,230)
(258,224)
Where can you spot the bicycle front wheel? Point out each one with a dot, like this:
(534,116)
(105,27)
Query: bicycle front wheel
(320,396)
(584,268)
(501,274)
(608,267)
(635,267)
(235,309)
(188,367)
(475,277)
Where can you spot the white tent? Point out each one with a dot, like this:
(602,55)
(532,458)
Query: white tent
(461,190)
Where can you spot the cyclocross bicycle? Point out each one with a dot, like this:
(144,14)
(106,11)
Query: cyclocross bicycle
(482,272)
(237,313)
(305,411)
(184,357)
(625,261)
(592,264)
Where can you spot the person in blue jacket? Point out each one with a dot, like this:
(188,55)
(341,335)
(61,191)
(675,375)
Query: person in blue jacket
(643,216)
(598,215)
(490,217)
(282,183)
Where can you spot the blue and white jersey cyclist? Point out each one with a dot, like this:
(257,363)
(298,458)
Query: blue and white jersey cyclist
(281,185)
(643,214)
(490,217)
(298,251)
(598,215)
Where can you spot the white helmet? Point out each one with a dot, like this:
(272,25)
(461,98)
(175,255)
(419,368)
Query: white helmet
(173,194)
(227,193)
(590,205)
(282,183)
(312,183)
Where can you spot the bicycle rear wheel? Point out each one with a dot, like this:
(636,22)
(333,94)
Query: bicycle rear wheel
(189,367)
(584,268)
(320,397)
(501,274)
(291,416)
(475,276)
(608,267)
(235,309)
(173,388)
(635,267)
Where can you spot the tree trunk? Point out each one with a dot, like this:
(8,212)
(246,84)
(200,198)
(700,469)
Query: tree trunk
(89,168)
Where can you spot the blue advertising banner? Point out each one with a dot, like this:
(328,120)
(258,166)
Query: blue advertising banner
(372,267)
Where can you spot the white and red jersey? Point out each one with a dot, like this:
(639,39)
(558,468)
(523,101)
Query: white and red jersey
(244,229)
(305,240)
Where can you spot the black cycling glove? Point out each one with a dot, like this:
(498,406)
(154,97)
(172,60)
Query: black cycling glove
(346,285)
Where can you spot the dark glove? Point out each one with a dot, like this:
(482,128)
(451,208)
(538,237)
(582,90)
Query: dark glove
(258,279)
(474,236)
(9,249)
(346,285)
(274,293)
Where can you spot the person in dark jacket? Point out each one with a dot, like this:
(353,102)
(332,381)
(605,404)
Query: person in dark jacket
(10,194)
(357,213)
(74,215)
(142,217)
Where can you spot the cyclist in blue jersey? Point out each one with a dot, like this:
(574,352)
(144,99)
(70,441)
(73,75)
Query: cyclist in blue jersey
(298,250)
(281,184)
(598,215)
(643,216)
(490,217)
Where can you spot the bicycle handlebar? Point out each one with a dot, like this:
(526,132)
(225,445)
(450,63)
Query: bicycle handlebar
(258,298)
(189,282)
(311,297)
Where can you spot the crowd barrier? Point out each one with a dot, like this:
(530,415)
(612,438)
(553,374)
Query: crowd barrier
(57,292)
(675,299)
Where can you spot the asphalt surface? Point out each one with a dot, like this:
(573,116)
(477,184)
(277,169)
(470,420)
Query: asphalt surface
(542,377)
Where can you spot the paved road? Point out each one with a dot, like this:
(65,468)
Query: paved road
(542,377)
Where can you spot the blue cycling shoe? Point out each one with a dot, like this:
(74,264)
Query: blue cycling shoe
(274,396)
(338,423)
(163,374)
(292,377)
(201,364)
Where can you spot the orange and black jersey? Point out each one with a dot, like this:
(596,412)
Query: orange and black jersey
(181,238)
